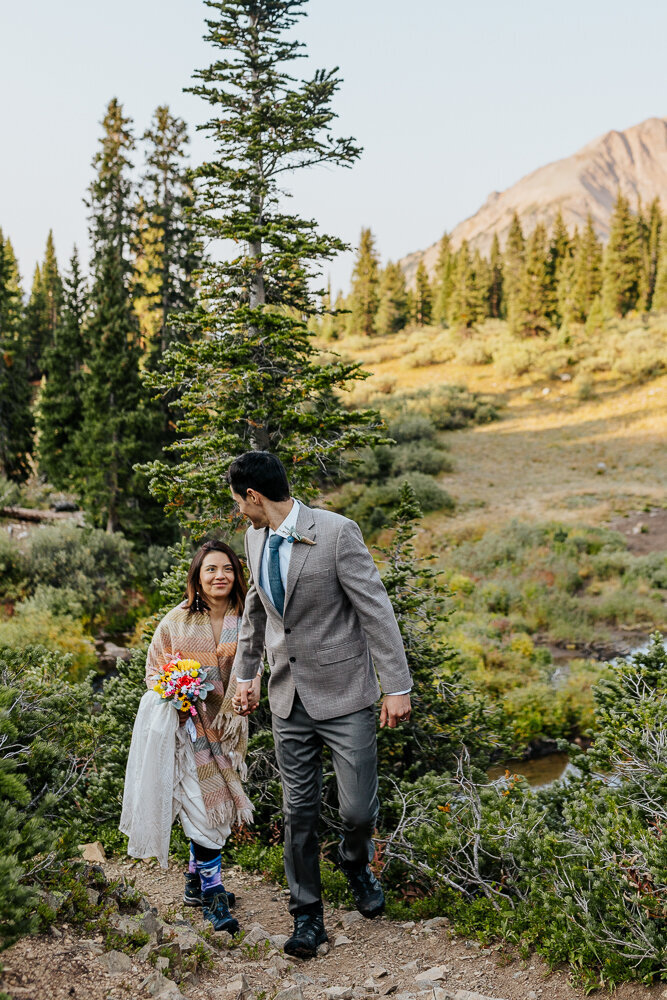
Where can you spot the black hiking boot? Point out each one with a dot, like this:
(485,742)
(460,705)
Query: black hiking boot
(192,894)
(216,910)
(365,888)
(307,936)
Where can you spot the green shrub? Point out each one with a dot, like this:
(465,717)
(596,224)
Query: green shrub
(96,565)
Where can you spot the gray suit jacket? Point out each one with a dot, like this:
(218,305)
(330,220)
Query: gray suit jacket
(338,622)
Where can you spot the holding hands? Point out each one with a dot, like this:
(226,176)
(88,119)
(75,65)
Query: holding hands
(246,698)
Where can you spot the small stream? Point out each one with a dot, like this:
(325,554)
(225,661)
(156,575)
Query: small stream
(544,770)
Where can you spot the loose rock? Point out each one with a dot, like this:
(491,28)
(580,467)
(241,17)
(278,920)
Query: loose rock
(93,852)
(291,993)
(431,975)
(339,993)
(117,963)
(353,917)
(341,939)
(278,941)
(255,935)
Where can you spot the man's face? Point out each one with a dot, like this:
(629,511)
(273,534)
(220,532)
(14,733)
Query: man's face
(252,508)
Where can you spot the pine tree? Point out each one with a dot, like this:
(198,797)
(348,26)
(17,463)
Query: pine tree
(42,309)
(423,297)
(529,310)
(652,230)
(392,314)
(468,302)
(496,289)
(110,442)
(364,291)
(60,407)
(167,255)
(623,264)
(442,289)
(659,302)
(255,380)
(16,422)
(558,260)
(587,272)
(513,262)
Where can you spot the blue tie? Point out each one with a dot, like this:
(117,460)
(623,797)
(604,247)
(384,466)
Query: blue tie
(275,579)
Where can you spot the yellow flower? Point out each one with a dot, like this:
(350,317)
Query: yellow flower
(185,705)
(189,665)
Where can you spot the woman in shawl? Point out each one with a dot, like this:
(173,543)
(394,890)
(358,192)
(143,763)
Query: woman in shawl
(193,766)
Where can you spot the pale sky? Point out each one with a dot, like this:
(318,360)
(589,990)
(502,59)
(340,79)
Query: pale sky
(451,100)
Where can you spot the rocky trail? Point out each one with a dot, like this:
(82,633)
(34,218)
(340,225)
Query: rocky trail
(181,958)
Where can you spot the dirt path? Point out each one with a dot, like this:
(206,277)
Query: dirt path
(392,955)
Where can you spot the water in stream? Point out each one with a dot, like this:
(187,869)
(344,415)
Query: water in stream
(539,772)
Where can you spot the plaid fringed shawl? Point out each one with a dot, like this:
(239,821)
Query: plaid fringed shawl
(222,736)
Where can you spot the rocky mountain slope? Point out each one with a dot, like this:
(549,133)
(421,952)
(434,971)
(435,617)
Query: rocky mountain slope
(633,161)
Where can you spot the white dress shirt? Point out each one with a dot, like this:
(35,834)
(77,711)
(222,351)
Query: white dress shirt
(284,554)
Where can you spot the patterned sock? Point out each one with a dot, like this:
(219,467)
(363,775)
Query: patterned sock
(209,874)
(192,866)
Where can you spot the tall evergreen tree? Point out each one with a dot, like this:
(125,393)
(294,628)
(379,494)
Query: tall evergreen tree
(60,408)
(110,442)
(442,289)
(464,302)
(659,302)
(587,272)
(559,258)
(622,270)
(167,253)
(529,310)
(422,297)
(496,288)
(41,313)
(255,380)
(392,314)
(16,422)
(364,291)
(513,262)
(652,226)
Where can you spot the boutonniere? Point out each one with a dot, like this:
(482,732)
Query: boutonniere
(294,536)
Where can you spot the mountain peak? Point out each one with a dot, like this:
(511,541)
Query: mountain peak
(632,161)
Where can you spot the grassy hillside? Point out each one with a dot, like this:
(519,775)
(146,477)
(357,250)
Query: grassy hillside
(556,550)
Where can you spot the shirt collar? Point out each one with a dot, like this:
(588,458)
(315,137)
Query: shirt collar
(289,524)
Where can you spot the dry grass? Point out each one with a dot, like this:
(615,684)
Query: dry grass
(557,452)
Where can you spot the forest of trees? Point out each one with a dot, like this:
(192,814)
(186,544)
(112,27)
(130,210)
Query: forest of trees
(74,405)
(536,283)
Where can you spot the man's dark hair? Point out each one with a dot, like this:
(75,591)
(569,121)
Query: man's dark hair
(260,471)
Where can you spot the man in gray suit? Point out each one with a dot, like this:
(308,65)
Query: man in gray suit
(316,603)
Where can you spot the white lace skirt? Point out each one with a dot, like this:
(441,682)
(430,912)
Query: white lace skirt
(161,783)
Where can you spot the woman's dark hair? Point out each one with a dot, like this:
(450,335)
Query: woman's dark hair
(261,471)
(194,594)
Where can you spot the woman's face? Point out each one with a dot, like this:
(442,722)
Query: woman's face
(216,577)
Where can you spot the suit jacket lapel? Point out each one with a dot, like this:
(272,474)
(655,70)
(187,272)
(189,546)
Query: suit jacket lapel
(305,525)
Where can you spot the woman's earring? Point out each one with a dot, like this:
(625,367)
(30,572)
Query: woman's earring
(199,604)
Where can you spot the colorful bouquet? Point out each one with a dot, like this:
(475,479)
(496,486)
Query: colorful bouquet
(181,682)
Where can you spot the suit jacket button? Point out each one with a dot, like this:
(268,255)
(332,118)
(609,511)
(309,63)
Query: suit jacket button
(292,659)
(288,631)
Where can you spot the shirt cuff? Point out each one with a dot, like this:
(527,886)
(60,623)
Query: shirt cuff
(258,674)
(395,694)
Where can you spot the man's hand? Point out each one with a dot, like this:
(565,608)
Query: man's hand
(246,698)
(395,708)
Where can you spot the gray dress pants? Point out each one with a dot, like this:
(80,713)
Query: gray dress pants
(299,741)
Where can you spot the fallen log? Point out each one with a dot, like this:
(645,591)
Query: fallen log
(33,514)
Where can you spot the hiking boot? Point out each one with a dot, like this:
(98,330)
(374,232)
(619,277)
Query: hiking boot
(365,888)
(192,894)
(216,910)
(307,936)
